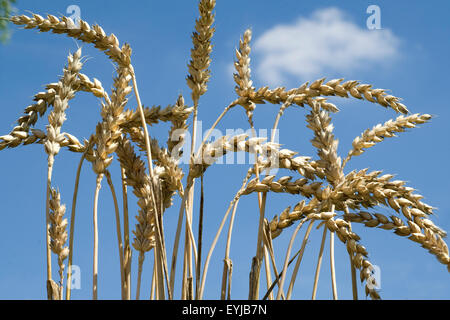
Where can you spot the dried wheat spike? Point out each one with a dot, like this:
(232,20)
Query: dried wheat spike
(169,171)
(370,189)
(109,130)
(242,65)
(137,178)
(287,159)
(370,137)
(57,231)
(283,184)
(357,252)
(89,34)
(199,73)
(94,86)
(434,244)
(177,131)
(244,86)
(331,88)
(64,93)
(430,240)
(69,141)
(155,114)
(288,217)
(320,122)
(210,152)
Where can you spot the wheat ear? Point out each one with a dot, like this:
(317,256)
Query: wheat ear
(155,114)
(58,234)
(333,87)
(89,34)
(136,177)
(319,263)
(56,118)
(370,137)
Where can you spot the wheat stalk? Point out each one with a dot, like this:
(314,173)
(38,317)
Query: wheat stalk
(197,80)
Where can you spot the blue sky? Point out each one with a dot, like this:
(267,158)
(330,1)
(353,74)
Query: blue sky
(294,41)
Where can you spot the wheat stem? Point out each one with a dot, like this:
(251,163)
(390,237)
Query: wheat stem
(160,249)
(95,223)
(47,217)
(150,168)
(119,232)
(126,230)
(200,242)
(269,246)
(143,123)
(299,259)
(286,260)
(140,263)
(255,273)
(153,285)
(352,266)
(175,248)
(211,249)
(319,263)
(208,133)
(226,261)
(267,269)
(332,267)
(72,225)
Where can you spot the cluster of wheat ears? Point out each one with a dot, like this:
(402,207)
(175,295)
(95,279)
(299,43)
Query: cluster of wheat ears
(329,197)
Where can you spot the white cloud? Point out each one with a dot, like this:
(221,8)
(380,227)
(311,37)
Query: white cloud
(327,41)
